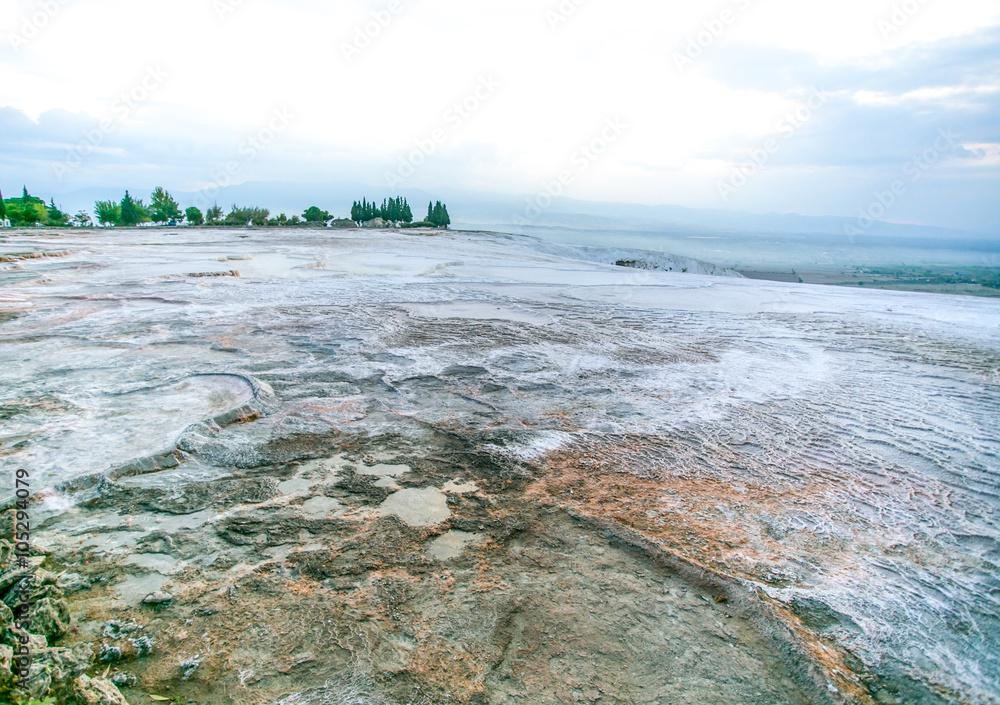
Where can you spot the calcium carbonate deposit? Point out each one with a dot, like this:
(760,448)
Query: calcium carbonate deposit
(379,467)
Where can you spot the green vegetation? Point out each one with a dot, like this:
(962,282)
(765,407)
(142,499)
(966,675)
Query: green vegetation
(283,221)
(193,216)
(396,210)
(213,215)
(132,212)
(933,276)
(107,212)
(242,215)
(315,215)
(163,208)
(438,215)
(55,216)
(30,210)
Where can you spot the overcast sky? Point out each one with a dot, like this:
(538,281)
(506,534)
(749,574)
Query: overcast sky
(758,105)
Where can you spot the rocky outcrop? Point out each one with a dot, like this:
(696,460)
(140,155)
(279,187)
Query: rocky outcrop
(33,614)
(97,691)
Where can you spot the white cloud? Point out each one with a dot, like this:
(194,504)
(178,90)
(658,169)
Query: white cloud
(984,154)
(227,75)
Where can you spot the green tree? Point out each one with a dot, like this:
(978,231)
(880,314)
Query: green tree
(54,215)
(14,211)
(129,213)
(241,216)
(214,214)
(26,210)
(437,214)
(30,214)
(194,216)
(143,210)
(162,206)
(108,212)
(315,215)
(3,207)
(82,219)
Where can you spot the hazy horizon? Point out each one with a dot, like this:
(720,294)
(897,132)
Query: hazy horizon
(880,111)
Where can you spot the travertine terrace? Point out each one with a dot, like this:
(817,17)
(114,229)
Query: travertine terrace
(379,467)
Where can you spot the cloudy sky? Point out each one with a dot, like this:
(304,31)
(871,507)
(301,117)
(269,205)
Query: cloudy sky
(890,108)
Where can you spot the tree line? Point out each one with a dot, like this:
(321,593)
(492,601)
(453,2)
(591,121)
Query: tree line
(164,209)
(31,210)
(397,210)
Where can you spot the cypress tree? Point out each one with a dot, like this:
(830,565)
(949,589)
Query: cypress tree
(28,213)
(445,218)
(55,216)
(430,212)
(130,213)
(3,207)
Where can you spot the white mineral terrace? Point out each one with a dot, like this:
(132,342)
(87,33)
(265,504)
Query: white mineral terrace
(869,420)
